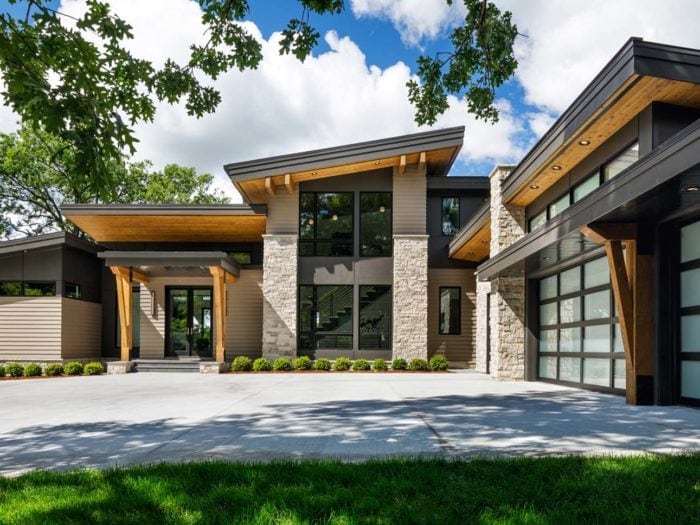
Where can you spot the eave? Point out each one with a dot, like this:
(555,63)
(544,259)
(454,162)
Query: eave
(472,243)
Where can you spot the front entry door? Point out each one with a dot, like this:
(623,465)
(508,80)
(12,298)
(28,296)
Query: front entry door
(188,321)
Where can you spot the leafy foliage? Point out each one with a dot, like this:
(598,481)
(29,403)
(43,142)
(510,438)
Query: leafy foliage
(399,364)
(342,364)
(262,364)
(14,369)
(418,365)
(3,372)
(361,365)
(54,369)
(32,370)
(302,362)
(74,368)
(93,368)
(322,364)
(282,364)
(438,362)
(379,365)
(241,364)
(77,79)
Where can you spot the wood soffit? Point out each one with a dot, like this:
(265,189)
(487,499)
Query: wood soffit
(477,247)
(626,103)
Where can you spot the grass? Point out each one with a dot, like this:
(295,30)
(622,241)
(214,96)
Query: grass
(648,489)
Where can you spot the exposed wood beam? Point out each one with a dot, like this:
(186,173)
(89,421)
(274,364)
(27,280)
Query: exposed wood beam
(421,161)
(601,232)
(219,278)
(124,305)
(139,277)
(622,293)
(401,169)
(269,186)
(289,183)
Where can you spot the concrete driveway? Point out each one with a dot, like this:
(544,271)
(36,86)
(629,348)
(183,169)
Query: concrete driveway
(144,418)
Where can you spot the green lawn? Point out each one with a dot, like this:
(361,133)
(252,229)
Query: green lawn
(659,489)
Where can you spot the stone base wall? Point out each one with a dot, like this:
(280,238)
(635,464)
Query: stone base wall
(482,325)
(508,327)
(279,333)
(410,304)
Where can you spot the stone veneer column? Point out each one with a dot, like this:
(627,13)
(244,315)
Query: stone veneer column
(410,319)
(279,337)
(507,303)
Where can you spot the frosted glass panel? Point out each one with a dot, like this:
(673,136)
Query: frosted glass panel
(548,341)
(690,242)
(586,187)
(597,305)
(548,367)
(620,378)
(690,333)
(570,281)
(570,340)
(548,287)
(617,341)
(570,310)
(690,288)
(558,206)
(548,314)
(570,369)
(596,273)
(596,372)
(596,338)
(690,379)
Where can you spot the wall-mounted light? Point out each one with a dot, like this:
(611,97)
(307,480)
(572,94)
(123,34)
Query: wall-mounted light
(382,209)
(556,167)
(584,142)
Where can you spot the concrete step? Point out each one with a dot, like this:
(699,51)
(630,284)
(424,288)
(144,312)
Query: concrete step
(166,365)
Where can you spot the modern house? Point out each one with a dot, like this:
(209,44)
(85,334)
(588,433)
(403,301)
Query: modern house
(579,265)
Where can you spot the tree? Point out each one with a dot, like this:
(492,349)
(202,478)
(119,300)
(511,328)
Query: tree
(37,175)
(76,79)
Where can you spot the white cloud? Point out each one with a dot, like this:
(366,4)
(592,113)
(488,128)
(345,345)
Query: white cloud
(415,20)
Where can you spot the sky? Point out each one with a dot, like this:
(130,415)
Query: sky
(352,88)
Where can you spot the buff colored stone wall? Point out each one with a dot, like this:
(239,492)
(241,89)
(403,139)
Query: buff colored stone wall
(279,337)
(410,319)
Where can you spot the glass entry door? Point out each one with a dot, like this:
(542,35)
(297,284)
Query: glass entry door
(188,321)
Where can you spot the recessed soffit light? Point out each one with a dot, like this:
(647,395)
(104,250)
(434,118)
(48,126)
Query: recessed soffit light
(584,142)
(556,167)
(534,187)
(691,189)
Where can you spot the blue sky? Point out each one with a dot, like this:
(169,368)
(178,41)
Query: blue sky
(353,87)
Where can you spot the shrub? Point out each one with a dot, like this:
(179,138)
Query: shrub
(2,371)
(262,364)
(342,364)
(14,369)
(282,364)
(380,365)
(438,362)
(54,369)
(418,365)
(32,370)
(302,363)
(73,369)
(94,369)
(242,364)
(399,364)
(322,364)
(361,364)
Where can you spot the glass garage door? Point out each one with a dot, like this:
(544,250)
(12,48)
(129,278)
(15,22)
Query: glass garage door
(579,336)
(690,314)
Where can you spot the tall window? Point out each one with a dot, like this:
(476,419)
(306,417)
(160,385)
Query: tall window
(450,310)
(450,215)
(326,224)
(690,313)
(375,224)
(375,317)
(325,317)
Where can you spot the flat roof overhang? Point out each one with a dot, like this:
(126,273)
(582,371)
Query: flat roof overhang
(48,240)
(257,179)
(639,74)
(164,223)
(473,242)
(644,178)
(171,263)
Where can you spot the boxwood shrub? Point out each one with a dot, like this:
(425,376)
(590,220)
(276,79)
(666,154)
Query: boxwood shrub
(282,364)
(342,364)
(93,368)
(73,369)
(380,365)
(418,365)
(438,362)
(32,370)
(361,365)
(14,369)
(302,363)
(262,364)
(2,371)
(54,369)
(322,364)
(399,364)
(242,364)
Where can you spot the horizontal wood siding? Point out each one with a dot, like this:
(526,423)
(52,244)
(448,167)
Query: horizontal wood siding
(30,328)
(244,317)
(283,213)
(81,333)
(409,201)
(460,350)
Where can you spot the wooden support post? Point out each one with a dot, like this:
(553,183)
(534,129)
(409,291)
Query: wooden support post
(124,304)
(219,275)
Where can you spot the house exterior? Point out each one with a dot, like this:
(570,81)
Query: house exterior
(578,265)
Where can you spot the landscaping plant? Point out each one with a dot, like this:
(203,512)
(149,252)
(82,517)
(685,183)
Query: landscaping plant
(242,363)
(2,371)
(282,364)
(32,370)
(380,365)
(54,369)
(361,365)
(73,369)
(399,364)
(418,365)
(262,364)
(302,363)
(322,364)
(342,364)
(438,362)
(14,369)
(94,368)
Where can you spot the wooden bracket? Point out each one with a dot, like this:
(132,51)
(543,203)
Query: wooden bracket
(401,169)
(421,161)
(270,186)
(289,184)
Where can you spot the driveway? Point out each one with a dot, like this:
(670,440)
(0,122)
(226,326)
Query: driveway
(145,418)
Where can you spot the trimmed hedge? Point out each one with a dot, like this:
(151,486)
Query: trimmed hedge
(262,364)
(399,364)
(14,369)
(242,364)
(303,363)
(322,364)
(380,365)
(54,369)
(93,368)
(438,362)
(32,370)
(361,365)
(418,365)
(282,364)
(342,364)
(2,371)
(73,369)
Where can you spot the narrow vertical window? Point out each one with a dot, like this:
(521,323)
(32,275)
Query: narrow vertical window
(450,310)
(375,317)
(375,224)
(450,215)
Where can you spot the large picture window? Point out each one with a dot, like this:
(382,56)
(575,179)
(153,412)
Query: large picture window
(450,215)
(325,316)
(450,310)
(27,288)
(579,338)
(326,224)
(690,314)
(375,317)
(375,224)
